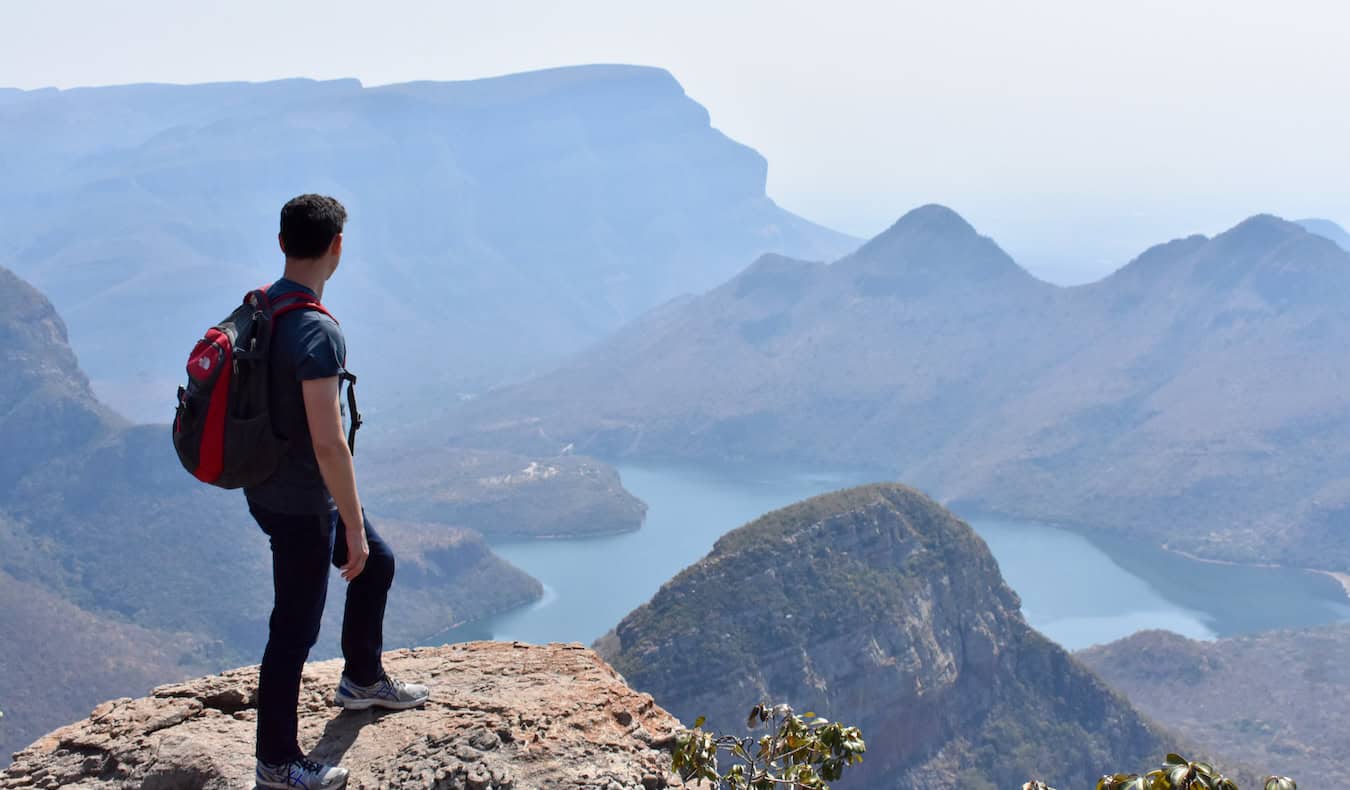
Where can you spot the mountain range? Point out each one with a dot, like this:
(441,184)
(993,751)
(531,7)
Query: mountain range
(494,225)
(1193,398)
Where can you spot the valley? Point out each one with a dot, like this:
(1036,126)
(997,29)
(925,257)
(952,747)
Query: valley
(1193,398)
(618,395)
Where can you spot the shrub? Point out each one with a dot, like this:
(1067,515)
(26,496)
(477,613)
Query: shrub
(797,753)
(1177,773)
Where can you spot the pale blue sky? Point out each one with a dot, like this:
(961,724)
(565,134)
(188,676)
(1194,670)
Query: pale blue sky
(1074,132)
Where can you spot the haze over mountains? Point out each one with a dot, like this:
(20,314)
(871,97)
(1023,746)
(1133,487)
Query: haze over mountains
(1196,396)
(1328,229)
(495,224)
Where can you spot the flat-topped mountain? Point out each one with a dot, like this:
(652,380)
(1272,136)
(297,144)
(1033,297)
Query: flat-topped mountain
(1275,698)
(495,224)
(877,607)
(501,716)
(1195,396)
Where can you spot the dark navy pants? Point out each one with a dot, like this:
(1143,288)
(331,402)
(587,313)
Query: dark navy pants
(302,548)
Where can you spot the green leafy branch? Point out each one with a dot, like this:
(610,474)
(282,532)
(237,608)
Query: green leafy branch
(797,753)
(1177,773)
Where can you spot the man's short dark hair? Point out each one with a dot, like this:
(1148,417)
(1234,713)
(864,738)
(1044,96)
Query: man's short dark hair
(309,223)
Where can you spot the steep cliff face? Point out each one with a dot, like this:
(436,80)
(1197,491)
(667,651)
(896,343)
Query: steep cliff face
(501,717)
(46,405)
(877,607)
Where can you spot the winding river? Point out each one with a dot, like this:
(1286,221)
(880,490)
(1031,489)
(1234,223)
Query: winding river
(1077,590)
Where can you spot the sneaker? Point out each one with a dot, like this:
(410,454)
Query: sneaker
(383,693)
(301,773)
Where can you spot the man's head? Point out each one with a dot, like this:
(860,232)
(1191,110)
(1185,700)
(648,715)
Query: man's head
(311,230)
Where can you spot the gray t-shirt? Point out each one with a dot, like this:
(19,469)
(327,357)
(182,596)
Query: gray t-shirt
(306,344)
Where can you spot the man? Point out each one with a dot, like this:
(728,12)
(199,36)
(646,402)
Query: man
(312,513)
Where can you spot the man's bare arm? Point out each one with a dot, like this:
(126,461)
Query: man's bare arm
(323,411)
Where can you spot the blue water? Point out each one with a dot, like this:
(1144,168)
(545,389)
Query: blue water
(1077,591)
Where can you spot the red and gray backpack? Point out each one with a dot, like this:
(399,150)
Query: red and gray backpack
(222,429)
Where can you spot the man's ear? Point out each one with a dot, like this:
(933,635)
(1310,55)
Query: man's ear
(281,243)
(335,247)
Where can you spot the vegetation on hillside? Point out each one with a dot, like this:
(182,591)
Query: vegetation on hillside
(1262,696)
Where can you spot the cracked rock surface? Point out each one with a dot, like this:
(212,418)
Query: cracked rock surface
(501,716)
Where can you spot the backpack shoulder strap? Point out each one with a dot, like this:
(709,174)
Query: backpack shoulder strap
(352,413)
(298,300)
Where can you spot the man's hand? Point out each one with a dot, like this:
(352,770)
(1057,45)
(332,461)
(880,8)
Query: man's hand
(358,551)
(324,415)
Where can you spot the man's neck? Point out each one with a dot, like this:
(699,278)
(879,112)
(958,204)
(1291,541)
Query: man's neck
(307,274)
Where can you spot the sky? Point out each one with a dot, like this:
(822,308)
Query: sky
(1075,133)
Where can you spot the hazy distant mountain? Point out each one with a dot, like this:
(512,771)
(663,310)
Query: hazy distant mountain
(1328,229)
(1196,396)
(495,224)
(876,607)
(789,356)
(1273,698)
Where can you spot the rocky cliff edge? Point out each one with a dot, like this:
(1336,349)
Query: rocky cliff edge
(501,716)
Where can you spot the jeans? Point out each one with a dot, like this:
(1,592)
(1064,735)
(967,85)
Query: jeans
(302,547)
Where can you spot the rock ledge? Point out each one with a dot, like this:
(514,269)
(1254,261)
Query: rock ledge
(501,716)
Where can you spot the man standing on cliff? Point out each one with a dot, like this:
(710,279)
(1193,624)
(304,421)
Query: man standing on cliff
(312,513)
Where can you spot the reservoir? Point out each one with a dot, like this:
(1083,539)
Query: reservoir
(1077,590)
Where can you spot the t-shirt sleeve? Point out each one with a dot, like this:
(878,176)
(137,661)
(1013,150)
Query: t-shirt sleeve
(323,352)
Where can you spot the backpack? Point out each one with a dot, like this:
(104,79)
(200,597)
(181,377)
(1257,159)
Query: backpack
(222,429)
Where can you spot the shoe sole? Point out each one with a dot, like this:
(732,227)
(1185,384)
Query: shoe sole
(288,786)
(364,704)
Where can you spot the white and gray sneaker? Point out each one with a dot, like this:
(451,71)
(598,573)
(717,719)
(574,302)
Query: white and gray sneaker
(300,774)
(383,693)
